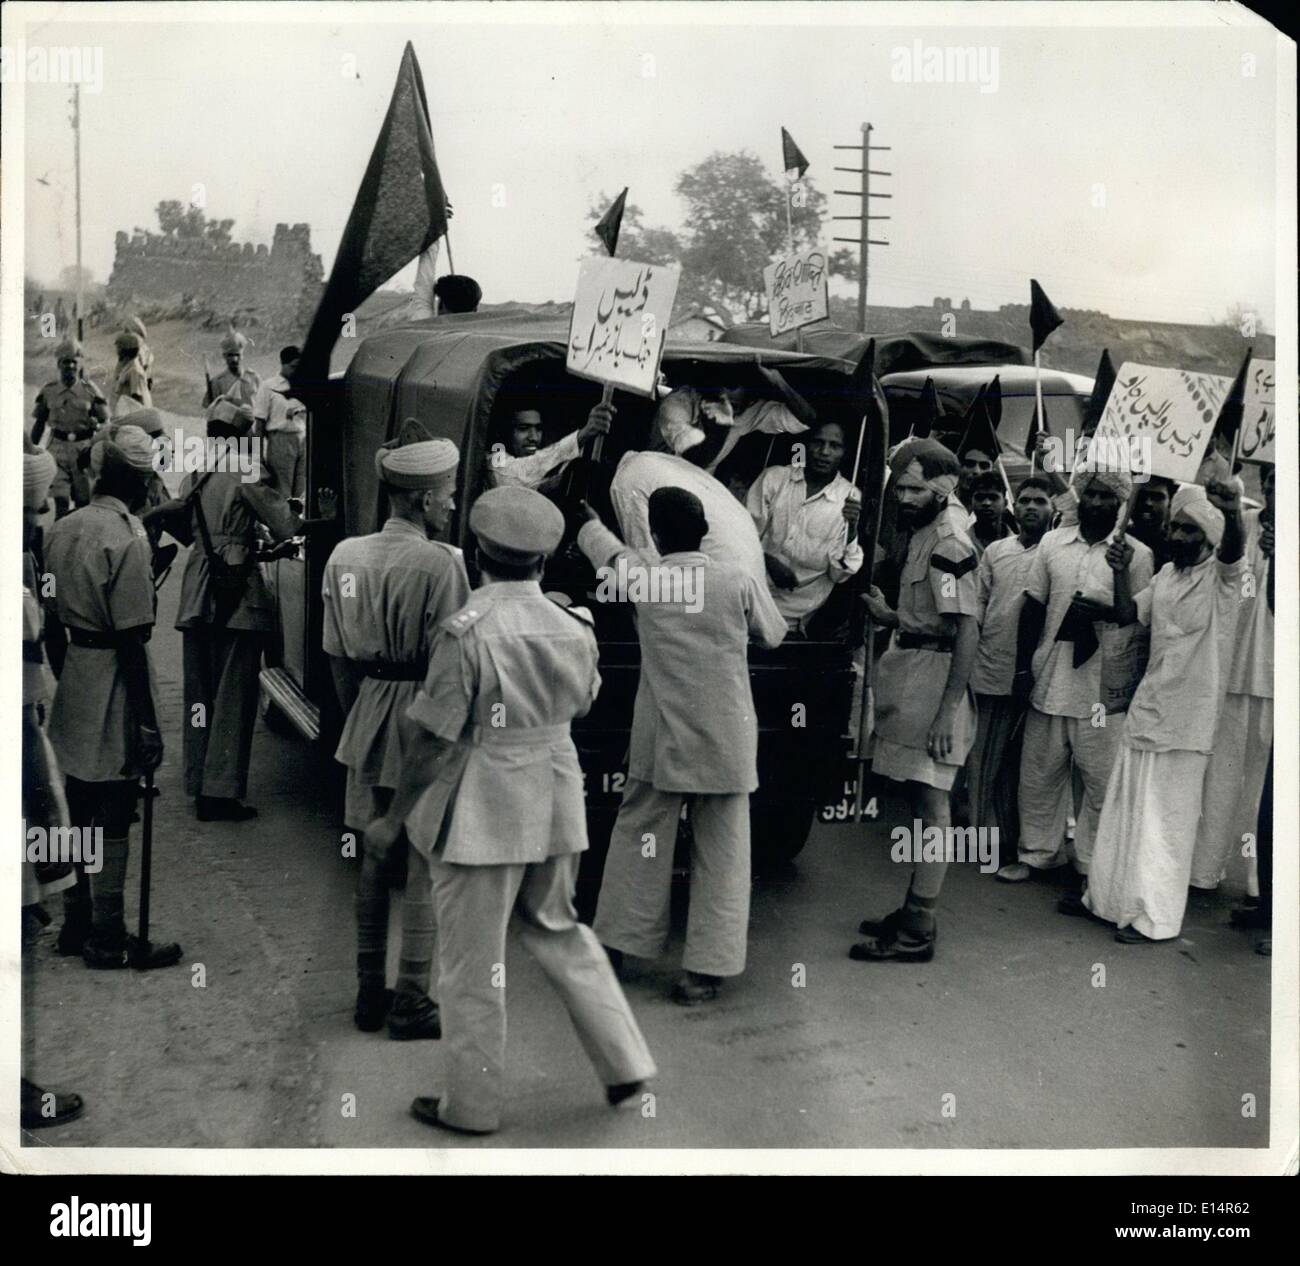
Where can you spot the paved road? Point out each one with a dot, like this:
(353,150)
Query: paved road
(1007,1020)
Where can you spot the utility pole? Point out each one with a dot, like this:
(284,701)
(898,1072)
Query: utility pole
(76,143)
(864,240)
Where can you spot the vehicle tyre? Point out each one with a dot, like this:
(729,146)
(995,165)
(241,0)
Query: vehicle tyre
(778,832)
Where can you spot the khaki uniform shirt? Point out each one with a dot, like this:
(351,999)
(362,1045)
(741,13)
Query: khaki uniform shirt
(938,579)
(103,582)
(694,728)
(507,675)
(385,596)
(242,389)
(232,510)
(78,411)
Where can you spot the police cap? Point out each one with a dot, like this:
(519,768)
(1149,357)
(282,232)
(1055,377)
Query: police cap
(516,525)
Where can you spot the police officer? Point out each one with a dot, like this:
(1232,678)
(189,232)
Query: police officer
(73,408)
(925,715)
(225,613)
(103,725)
(130,390)
(385,596)
(235,382)
(492,791)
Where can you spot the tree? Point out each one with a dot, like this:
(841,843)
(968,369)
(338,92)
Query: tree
(1244,319)
(735,227)
(68,278)
(177,220)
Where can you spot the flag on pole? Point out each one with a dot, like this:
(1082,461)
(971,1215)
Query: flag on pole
(1043,318)
(611,222)
(928,414)
(1031,440)
(1102,383)
(399,211)
(792,159)
(1227,426)
(981,422)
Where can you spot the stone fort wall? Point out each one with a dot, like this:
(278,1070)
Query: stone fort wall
(277,286)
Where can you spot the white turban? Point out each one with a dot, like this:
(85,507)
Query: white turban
(39,469)
(1191,503)
(940,485)
(130,445)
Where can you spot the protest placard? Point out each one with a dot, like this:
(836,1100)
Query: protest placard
(1164,418)
(620,320)
(796,291)
(1259,414)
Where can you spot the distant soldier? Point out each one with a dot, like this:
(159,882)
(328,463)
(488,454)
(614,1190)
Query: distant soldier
(234,382)
(491,791)
(385,596)
(130,389)
(282,421)
(73,408)
(104,725)
(134,325)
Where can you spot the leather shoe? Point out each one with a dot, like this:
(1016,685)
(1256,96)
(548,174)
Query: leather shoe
(222,809)
(426,1109)
(147,955)
(414,1017)
(623,1090)
(373,1005)
(38,1111)
(695,988)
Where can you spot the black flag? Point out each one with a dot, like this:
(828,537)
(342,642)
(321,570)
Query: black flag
(792,158)
(928,414)
(1101,388)
(1043,318)
(1228,423)
(611,222)
(400,210)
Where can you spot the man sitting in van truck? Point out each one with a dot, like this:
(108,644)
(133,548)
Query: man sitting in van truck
(807,519)
(522,462)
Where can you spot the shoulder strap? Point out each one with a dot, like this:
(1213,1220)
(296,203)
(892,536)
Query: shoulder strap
(201,518)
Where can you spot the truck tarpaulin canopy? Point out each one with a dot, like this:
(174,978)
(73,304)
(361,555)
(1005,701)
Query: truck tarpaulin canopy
(894,352)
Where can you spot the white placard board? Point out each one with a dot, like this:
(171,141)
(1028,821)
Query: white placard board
(796,291)
(1165,417)
(1259,414)
(620,319)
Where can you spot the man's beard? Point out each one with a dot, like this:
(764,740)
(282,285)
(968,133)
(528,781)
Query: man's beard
(1097,521)
(1184,554)
(919,516)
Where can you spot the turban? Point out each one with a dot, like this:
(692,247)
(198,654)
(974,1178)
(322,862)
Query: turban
(39,469)
(1119,481)
(414,460)
(127,342)
(234,341)
(148,420)
(1191,503)
(930,462)
(68,348)
(130,446)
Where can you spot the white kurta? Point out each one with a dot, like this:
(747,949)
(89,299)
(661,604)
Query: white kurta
(1142,857)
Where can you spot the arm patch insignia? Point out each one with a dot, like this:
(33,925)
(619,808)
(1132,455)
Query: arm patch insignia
(968,563)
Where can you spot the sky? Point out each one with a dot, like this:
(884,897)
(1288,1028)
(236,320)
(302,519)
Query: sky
(1130,169)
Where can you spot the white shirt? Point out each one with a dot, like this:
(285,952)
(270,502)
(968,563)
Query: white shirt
(532,471)
(806,532)
(1192,613)
(272,406)
(1001,577)
(1066,564)
(1251,671)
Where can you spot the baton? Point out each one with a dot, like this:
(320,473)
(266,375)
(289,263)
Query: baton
(146,860)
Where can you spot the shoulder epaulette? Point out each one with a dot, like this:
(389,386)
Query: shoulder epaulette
(581,614)
(467,617)
(968,563)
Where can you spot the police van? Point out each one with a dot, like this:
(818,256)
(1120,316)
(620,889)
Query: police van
(457,375)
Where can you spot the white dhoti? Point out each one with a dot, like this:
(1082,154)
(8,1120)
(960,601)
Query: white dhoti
(632,913)
(1234,783)
(1142,853)
(475,905)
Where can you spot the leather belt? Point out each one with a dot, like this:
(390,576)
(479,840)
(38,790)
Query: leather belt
(96,641)
(925,642)
(381,670)
(73,437)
